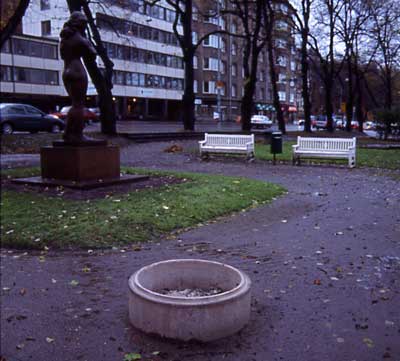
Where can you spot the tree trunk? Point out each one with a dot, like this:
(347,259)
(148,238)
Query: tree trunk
(102,82)
(329,108)
(275,95)
(13,22)
(389,91)
(188,97)
(304,78)
(350,95)
(188,50)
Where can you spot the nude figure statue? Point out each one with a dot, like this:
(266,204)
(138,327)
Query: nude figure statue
(74,46)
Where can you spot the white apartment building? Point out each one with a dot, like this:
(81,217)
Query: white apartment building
(148,69)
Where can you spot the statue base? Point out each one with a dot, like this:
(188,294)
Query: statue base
(81,162)
(84,166)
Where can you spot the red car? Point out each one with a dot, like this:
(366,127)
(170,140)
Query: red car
(89,116)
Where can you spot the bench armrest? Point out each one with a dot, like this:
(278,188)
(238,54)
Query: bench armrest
(202,142)
(295,146)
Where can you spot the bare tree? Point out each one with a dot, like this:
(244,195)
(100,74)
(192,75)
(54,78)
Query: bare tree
(385,33)
(302,13)
(350,28)
(182,28)
(249,15)
(323,41)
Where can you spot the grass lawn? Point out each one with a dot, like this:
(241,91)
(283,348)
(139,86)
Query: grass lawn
(375,158)
(35,220)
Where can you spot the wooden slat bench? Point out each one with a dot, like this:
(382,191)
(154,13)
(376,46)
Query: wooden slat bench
(325,148)
(227,143)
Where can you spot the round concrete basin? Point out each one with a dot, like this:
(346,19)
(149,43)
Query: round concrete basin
(203,318)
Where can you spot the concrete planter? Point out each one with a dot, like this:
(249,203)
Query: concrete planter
(204,318)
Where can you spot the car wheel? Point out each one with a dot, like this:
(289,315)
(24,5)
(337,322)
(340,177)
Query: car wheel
(7,128)
(55,128)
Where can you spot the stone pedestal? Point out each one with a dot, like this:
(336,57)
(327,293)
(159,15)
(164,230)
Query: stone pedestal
(80,163)
(87,165)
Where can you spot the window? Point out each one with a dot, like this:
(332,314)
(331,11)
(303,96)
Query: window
(233,28)
(16,110)
(195,86)
(46,27)
(44,4)
(209,87)
(280,43)
(5,73)
(282,96)
(234,69)
(281,25)
(195,62)
(233,90)
(234,49)
(281,78)
(211,41)
(281,60)
(291,97)
(262,75)
(211,64)
(195,13)
(195,37)
(32,110)
(293,65)
(35,76)
(223,45)
(223,67)
(262,93)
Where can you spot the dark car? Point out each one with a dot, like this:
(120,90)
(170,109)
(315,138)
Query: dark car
(89,116)
(23,117)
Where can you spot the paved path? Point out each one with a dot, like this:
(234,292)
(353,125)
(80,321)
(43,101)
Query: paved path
(324,261)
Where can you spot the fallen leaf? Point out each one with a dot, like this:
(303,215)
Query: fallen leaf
(132,356)
(49,339)
(74,283)
(368,342)
(22,291)
(317,282)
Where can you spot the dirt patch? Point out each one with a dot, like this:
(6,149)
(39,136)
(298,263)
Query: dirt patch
(96,193)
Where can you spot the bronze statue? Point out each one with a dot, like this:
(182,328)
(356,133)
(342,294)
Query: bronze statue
(74,45)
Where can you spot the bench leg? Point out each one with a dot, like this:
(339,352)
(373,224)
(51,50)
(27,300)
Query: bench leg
(204,156)
(250,157)
(352,161)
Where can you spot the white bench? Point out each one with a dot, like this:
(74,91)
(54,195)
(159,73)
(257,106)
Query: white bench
(325,148)
(227,143)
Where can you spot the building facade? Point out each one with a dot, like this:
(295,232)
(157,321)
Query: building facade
(148,68)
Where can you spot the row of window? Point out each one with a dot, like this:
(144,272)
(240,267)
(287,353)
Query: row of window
(146,80)
(128,53)
(28,75)
(30,48)
(141,7)
(130,28)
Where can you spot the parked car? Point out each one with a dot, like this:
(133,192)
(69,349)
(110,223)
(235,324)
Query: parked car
(321,122)
(354,124)
(369,125)
(340,122)
(23,117)
(261,121)
(95,111)
(89,116)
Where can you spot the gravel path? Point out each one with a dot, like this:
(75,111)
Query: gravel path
(324,261)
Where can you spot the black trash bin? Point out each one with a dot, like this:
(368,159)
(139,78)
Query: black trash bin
(276,144)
